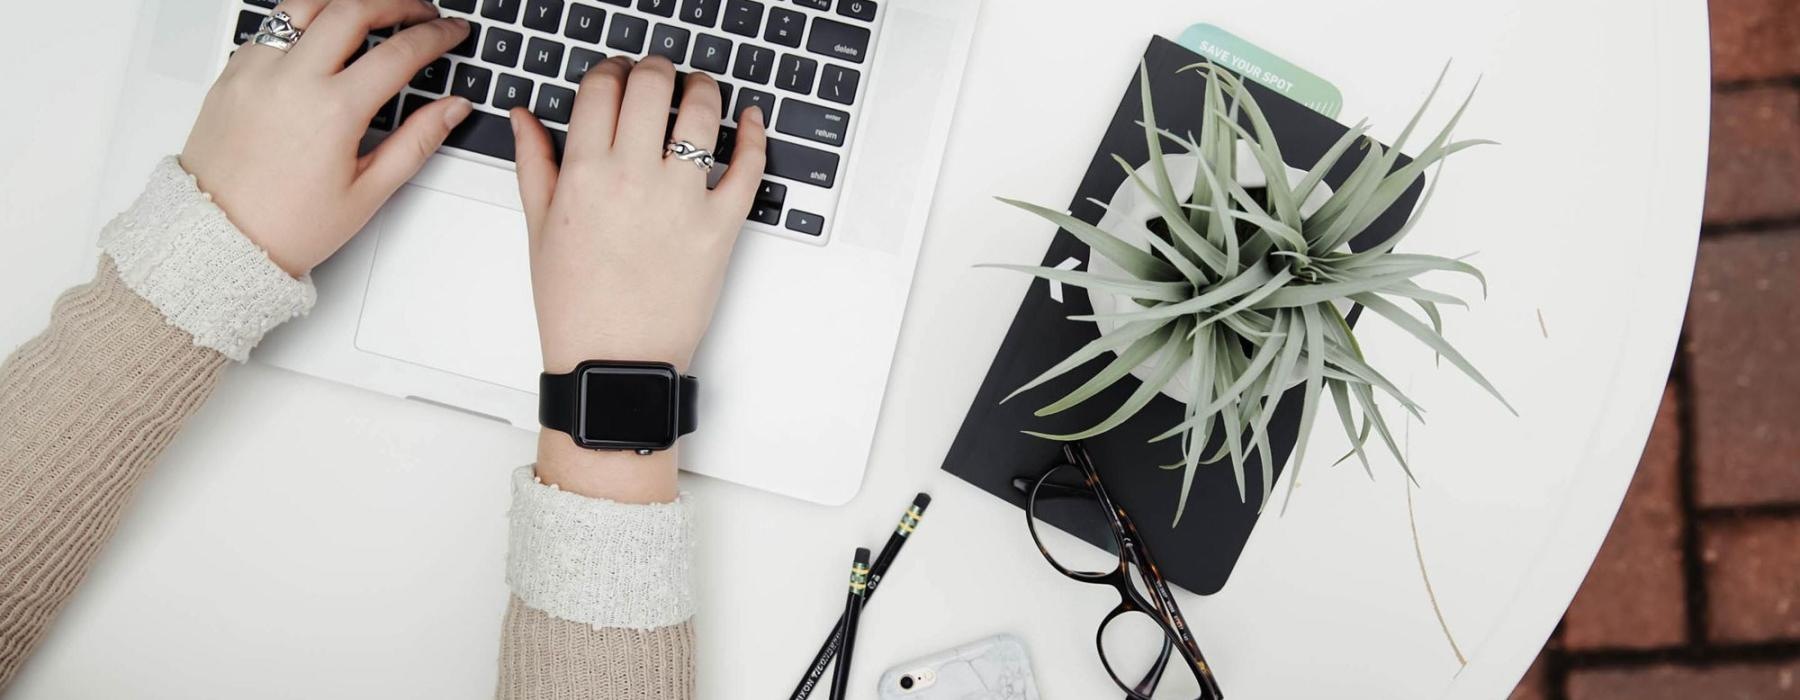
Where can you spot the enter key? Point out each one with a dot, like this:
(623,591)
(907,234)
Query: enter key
(812,122)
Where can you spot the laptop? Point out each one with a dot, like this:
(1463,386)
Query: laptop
(432,302)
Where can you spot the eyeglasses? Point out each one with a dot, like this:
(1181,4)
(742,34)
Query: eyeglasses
(1138,638)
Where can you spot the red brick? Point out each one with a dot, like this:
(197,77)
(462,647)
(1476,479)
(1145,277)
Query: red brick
(1753,171)
(1737,681)
(1743,334)
(1535,685)
(1752,579)
(1634,596)
(1755,39)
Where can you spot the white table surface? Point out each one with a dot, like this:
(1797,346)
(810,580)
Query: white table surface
(304,539)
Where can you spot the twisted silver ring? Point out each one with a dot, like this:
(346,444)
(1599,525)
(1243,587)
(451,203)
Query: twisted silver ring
(278,32)
(685,150)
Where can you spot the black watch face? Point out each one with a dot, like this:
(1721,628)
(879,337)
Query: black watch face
(628,408)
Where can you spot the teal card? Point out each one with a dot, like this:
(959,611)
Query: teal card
(1273,72)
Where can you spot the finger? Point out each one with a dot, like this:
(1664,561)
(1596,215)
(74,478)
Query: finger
(701,105)
(399,157)
(387,68)
(744,175)
(535,157)
(597,108)
(344,24)
(644,112)
(301,14)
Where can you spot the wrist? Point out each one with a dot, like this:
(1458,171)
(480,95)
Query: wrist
(622,476)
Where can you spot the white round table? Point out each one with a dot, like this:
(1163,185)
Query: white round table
(304,539)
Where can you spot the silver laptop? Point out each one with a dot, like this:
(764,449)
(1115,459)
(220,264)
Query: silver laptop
(433,301)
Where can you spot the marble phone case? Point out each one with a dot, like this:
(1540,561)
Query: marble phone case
(996,668)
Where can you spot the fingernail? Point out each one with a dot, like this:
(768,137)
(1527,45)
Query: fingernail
(756,115)
(457,111)
(515,126)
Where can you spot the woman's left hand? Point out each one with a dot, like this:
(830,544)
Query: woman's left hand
(277,141)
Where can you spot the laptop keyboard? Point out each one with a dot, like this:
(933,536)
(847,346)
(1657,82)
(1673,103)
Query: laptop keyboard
(805,62)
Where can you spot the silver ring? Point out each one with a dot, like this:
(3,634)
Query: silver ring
(686,150)
(277,32)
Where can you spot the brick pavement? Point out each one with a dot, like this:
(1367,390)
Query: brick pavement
(1696,593)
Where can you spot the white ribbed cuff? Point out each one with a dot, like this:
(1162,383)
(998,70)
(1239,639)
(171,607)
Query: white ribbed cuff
(599,562)
(177,250)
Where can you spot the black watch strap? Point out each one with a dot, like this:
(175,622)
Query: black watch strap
(559,395)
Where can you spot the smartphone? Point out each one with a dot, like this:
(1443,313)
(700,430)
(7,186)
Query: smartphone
(996,668)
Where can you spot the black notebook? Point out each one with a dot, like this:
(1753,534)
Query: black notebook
(990,450)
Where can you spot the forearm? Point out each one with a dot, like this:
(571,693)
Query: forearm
(87,406)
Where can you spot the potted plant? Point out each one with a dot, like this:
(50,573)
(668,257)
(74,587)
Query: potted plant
(1223,278)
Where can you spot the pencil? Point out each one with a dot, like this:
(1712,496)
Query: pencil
(909,521)
(853,605)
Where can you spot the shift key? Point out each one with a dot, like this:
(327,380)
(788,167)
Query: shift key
(810,121)
(802,163)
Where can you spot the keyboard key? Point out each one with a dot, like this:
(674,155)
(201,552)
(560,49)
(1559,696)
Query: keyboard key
(748,97)
(502,47)
(502,10)
(458,5)
(585,23)
(766,213)
(620,3)
(471,82)
(838,40)
(754,63)
(743,17)
(665,8)
(387,117)
(627,33)
(247,24)
(433,78)
(795,74)
(702,12)
(810,121)
(727,144)
(554,104)
(484,133)
(670,42)
(805,222)
(802,163)
(512,91)
(711,53)
(580,62)
(857,9)
(265,4)
(466,49)
(544,15)
(814,4)
(544,57)
(772,192)
(785,27)
(838,84)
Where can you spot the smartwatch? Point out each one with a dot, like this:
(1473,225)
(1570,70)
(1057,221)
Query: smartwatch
(607,405)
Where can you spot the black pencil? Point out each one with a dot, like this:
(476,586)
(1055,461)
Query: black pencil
(909,521)
(853,605)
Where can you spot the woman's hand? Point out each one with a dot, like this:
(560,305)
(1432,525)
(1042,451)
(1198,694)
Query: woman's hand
(629,248)
(276,143)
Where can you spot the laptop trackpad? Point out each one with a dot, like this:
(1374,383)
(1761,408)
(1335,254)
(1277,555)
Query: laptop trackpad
(451,289)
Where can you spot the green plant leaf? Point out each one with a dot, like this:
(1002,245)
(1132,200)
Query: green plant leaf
(1225,291)
(1120,337)
(1429,337)
(1309,294)
(1136,289)
(1174,353)
(1208,254)
(1112,372)
(1318,172)
(1128,257)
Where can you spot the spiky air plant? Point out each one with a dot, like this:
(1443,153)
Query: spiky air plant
(1247,295)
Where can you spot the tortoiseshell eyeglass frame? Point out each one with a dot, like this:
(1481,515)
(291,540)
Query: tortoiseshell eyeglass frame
(1160,606)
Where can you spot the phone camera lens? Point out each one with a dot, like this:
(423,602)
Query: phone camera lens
(906,682)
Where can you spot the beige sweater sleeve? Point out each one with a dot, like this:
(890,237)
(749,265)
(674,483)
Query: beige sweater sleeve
(87,407)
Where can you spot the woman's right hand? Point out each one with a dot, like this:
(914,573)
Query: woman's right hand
(628,247)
